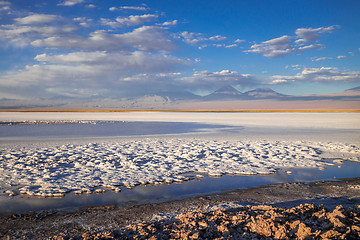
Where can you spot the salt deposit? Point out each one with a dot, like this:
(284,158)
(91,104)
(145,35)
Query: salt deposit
(85,168)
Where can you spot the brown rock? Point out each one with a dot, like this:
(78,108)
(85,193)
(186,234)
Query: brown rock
(294,224)
(303,231)
(330,234)
(194,235)
(260,226)
(280,233)
(203,224)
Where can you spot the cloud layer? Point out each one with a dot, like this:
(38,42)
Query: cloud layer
(323,74)
(285,45)
(128,51)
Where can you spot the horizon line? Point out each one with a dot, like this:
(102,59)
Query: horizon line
(182,110)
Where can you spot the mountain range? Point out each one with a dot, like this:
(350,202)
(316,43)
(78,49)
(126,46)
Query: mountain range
(229,93)
(226,97)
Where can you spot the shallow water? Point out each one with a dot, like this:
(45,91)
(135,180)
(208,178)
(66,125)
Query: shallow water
(96,129)
(156,193)
(160,193)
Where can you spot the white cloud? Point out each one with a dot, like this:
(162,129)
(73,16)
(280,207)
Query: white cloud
(83,21)
(231,46)
(217,38)
(170,23)
(36,19)
(321,59)
(116,61)
(311,34)
(239,41)
(198,39)
(311,47)
(22,35)
(323,74)
(70,3)
(341,57)
(132,20)
(206,79)
(192,38)
(107,72)
(129,8)
(273,48)
(285,45)
(5,6)
(147,38)
(278,81)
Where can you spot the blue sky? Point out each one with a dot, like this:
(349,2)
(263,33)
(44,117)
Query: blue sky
(129,48)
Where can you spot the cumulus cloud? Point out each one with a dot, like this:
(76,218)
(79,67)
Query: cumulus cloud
(274,48)
(200,40)
(138,60)
(341,57)
(70,3)
(170,23)
(311,34)
(311,47)
(129,8)
(323,74)
(285,45)
(204,79)
(217,38)
(22,35)
(147,38)
(36,19)
(132,20)
(321,59)
(109,72)
(231,46)
(83,21)
(239,41)
(5,6)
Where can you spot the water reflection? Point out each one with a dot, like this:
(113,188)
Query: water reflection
(100,129)
(159,193)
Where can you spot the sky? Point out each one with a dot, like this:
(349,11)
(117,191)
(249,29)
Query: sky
(129,48)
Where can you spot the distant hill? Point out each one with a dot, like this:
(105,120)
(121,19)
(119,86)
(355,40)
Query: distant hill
(176,96)
(263,93)
(224,97)
(357,89)
(230,93)
(225,93)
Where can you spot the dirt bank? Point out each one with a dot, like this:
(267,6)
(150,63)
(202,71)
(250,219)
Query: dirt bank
(272,211)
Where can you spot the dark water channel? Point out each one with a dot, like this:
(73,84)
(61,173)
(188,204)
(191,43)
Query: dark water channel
(165,192)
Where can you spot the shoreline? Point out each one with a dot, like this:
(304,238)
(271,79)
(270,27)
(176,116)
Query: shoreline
(186,110)
(288,133)
(121,221)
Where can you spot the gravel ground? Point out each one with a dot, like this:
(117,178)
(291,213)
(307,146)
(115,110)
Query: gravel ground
(320,210)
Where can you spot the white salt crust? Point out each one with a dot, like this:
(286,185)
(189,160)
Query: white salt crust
(55,170)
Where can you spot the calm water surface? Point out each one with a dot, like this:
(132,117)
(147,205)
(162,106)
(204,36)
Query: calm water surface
(165,192)
(97,129)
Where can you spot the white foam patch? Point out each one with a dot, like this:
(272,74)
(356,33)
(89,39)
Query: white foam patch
(54,170)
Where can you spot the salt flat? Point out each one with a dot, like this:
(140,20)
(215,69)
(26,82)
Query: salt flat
(55,168)
(276,119)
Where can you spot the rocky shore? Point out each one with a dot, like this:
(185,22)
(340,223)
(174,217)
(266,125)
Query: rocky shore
(318,210)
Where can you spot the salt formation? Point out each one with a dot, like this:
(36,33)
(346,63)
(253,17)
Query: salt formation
(53,171)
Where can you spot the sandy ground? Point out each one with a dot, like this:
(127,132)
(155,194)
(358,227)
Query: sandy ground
(231,215)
